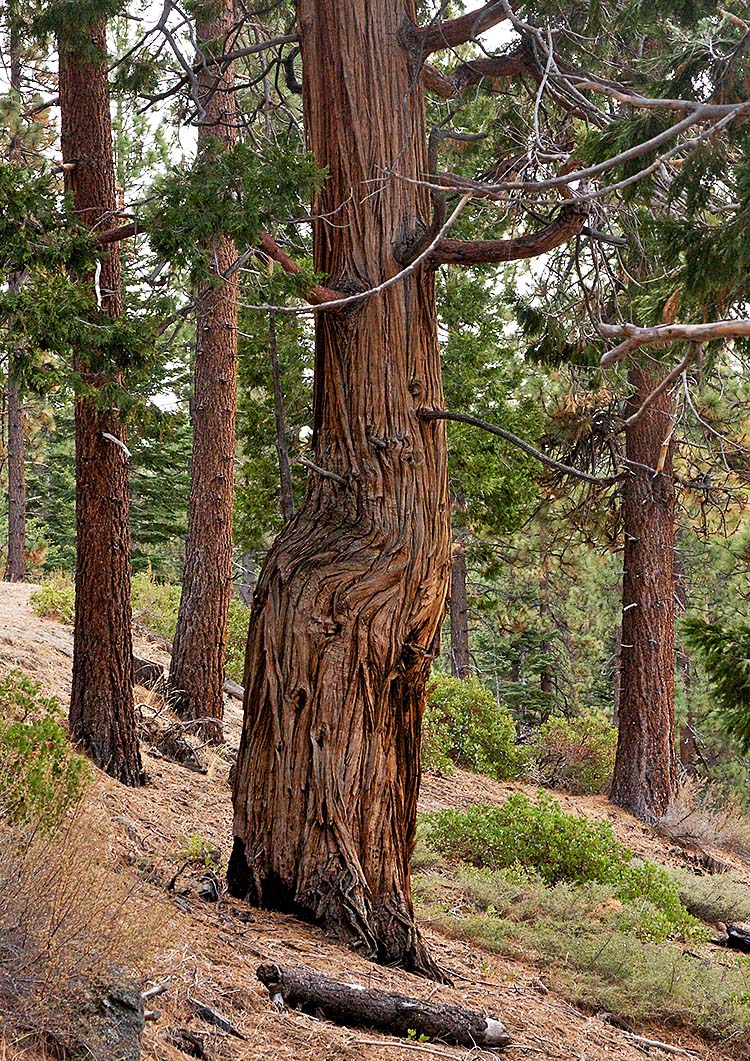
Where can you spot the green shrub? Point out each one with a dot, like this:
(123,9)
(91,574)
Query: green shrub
(40,775)
(542,839)
(239,618)
(55,599)
(463,724)
(155,606)
(574,754)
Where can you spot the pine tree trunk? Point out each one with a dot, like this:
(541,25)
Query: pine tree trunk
(353,591)
(16,487)
(645,776)
(102,717)
(16,570)
(198,661)
(459,613)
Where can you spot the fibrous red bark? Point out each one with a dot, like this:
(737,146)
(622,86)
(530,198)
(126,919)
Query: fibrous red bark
(645,776)
(16,569)
(351,597)
(198,658)
(102,717)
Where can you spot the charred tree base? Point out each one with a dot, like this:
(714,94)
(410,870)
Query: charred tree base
(385,932)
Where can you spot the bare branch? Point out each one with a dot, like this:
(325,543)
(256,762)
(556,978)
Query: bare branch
(633,336)
(550,462)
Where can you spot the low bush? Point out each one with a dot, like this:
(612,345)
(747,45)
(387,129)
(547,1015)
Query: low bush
(464,724)
(539,838)
(155,606)
(55,599)
(595,949)
(40,774)
(574,754)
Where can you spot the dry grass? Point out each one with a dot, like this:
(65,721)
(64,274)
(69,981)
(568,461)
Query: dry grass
(65,923)
(706,816)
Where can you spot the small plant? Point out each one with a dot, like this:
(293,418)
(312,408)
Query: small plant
(464,724)
(200,852)
(574,754)
(55,599)
(40,774)
(540,838)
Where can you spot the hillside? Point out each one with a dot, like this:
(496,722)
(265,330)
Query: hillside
(209,950)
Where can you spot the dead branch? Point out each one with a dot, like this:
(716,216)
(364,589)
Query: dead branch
(508,436)
(208,1013)
(635,336)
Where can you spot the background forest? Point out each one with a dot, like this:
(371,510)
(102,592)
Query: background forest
(383,367)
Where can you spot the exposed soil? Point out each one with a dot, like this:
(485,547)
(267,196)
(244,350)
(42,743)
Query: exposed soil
(209,950)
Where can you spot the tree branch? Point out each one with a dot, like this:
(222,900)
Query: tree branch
(457,31)
(317,295)
(550,462)
(668,380)
(634,336)
(568,223)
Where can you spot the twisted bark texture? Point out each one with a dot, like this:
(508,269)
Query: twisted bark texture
(645,777)
(102,717)
(198,659)
(350,600)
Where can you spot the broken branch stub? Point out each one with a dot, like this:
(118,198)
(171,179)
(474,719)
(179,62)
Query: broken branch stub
(308,990)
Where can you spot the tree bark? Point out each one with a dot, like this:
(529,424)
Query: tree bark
(459,613)
(16,569)
(351,1004)
(198,660)
(102,717)
(645,776)
(353,591)
(16,487)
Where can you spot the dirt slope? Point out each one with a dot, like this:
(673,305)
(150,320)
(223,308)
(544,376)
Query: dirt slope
(209,950)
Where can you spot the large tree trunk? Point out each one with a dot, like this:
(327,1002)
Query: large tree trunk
(645,777)
(353,591)
(197,672)
(16,442)
(102,717)
(459,613)
(16,487)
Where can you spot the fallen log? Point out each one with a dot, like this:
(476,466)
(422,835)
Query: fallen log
(147,673)
(231,688)
(310,991)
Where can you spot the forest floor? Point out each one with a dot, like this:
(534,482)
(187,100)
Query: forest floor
(209,950)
